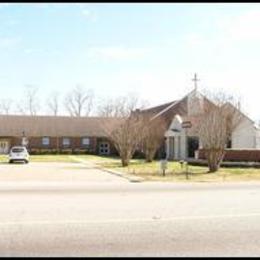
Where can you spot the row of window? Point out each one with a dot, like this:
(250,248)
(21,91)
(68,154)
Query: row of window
(65,141)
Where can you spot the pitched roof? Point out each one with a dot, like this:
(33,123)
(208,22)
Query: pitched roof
(14,125)
(158,109)
(167,110)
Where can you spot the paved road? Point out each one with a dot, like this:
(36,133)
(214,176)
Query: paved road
(119,218)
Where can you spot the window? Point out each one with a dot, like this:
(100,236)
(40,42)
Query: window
(66,141)
(17,150)
(45,140)
(85,141)
(104,148)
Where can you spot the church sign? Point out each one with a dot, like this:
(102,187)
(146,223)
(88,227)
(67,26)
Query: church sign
(186,124)
(24,141)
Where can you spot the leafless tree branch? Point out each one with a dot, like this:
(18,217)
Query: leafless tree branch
(53,103)
(5,105)
(216,125)
(127,133)
(79,102)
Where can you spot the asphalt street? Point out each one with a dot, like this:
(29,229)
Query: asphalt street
(120,218)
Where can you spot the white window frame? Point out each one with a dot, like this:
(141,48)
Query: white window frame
(85,143)
(64,143)
(45,142)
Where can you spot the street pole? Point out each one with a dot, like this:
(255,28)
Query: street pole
(186,154)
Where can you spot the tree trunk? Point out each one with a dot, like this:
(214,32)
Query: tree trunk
(149,154)
(213,167)
(125,162)
(125,158)
(214,158)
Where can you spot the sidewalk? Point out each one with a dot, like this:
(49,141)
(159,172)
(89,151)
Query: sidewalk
(114,172)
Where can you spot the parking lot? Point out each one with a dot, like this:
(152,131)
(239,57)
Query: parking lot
(53,172)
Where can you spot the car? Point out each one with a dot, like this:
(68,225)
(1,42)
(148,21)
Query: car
(18,153)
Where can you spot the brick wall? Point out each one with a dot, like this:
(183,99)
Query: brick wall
(35,143)
(56,145)
(237,155)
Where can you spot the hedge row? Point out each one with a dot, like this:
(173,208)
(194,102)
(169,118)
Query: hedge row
(35,151)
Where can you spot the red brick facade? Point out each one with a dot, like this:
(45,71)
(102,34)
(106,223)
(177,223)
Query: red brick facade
(36,146)
(241,155)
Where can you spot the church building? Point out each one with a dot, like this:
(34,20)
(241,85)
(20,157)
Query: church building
(181,141)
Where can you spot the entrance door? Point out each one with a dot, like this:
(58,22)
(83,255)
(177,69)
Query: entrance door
(4,147)
(171,148)
(193,145)
(104,148)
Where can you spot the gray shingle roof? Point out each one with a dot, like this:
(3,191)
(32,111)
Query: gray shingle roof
(14,125)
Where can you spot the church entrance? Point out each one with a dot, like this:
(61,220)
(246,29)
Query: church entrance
(193,145)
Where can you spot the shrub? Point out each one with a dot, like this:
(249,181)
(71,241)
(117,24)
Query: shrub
(66,151)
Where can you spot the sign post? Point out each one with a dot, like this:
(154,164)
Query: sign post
(163,166)
(163,163)
(185,125)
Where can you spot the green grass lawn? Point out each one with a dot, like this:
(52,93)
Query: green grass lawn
(3,158)
(151,171)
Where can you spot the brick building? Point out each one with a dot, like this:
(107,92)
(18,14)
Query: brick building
(51,134)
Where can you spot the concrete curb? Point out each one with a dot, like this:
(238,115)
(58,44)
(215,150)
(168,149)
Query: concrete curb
(123,175)
(117,173)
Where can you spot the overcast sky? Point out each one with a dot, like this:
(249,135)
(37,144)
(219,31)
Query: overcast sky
(149,49)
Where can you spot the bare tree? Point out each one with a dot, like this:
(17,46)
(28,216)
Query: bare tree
(127,132)
(216,125)
(5,105)
(53,103)
(20,108)
(30,104)
(107,108)
(79,101)
(126,138)
(121,106)
(154,130)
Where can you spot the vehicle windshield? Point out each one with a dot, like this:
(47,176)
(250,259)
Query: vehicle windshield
(17,150)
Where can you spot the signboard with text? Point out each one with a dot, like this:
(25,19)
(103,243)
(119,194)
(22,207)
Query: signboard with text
(186,124)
